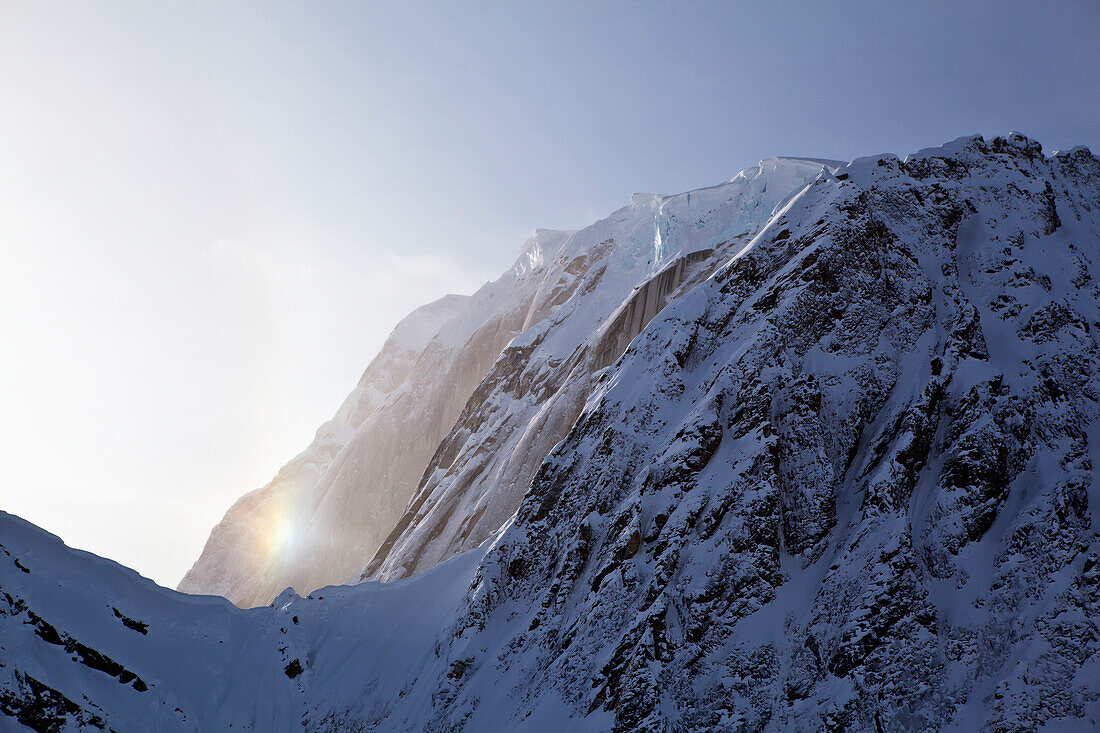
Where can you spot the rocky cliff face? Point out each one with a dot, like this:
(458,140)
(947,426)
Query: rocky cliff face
(843,477)
(846,483)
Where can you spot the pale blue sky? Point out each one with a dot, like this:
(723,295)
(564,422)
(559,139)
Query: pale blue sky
(212,213)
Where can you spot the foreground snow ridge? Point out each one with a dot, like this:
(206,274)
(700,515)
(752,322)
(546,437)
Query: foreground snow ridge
(813,449)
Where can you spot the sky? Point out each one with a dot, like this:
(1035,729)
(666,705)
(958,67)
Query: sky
(212,213)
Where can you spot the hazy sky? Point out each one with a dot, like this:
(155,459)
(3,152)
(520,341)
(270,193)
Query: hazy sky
(211,214)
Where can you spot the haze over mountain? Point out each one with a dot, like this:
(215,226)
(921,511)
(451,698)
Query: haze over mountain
(812,449)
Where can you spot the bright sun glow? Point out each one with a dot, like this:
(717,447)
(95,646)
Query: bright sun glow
(279,535)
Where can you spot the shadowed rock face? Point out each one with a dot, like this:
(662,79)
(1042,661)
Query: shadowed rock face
(846,482)
(646,302)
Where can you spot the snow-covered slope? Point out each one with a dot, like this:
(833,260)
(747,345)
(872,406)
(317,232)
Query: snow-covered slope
(848,481)
(86,644)
(327,513)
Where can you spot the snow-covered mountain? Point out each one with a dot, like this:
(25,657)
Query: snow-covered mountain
(449,418)
(819,458)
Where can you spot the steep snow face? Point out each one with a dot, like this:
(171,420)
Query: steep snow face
(606,282)
(846,482)
(322,523)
